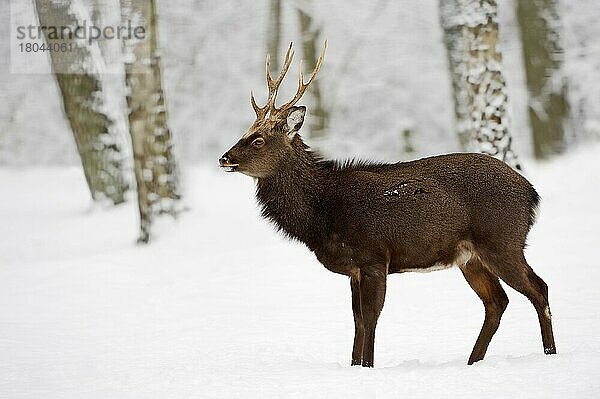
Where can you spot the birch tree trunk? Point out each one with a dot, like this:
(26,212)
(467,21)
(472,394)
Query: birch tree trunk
(154,162)
(547,86)
(309,36)
(471,37)
(78,74)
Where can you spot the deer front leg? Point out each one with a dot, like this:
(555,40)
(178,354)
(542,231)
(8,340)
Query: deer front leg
(359,328)
(372,296)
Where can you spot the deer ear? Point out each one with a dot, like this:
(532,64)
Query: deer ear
(294,120)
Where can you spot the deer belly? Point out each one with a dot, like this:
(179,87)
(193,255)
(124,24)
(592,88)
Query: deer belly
(462,255)
(434,268)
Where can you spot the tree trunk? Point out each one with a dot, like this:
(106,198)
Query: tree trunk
(154,162)
(309,36)
(78,75)
(274,32)
(547,86)
(471,37)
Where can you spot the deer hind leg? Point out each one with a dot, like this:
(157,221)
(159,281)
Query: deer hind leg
(488,289)
(359,327)
(513,269)
(372,297)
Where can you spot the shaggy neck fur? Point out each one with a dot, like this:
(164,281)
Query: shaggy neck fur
(290,198)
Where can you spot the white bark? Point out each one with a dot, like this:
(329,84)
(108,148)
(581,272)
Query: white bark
(154,163)
(79,75)
(471,36)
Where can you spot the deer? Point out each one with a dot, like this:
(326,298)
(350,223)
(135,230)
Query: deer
(368,220)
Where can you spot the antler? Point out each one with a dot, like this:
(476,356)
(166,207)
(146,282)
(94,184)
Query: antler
(273,85)
(303,86)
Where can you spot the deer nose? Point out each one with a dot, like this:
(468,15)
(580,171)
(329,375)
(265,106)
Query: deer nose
(224,160)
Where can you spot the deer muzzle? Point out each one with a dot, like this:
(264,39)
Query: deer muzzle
(226,163)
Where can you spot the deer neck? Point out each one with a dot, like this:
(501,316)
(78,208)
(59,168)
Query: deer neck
(291,196)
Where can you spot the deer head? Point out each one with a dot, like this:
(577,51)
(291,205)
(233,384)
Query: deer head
(260,150)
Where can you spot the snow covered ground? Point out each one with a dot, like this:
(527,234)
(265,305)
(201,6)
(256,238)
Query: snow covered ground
(220,306)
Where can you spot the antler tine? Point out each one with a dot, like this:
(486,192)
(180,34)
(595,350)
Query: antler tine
(303,86)
(318,65)
(267,70)
(259,111)
(274,84)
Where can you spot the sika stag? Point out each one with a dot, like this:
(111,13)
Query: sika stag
(368,220)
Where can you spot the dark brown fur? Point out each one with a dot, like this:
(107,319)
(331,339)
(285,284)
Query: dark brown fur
(368,220)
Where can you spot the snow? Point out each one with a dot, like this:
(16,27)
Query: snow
(222,306)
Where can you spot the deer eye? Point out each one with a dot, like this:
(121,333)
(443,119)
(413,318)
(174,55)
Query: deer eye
(258,142)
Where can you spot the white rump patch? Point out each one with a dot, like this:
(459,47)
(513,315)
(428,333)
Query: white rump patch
(464,255)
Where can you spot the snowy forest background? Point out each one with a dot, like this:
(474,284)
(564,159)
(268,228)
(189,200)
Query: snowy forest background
(84,312)
(386,71)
